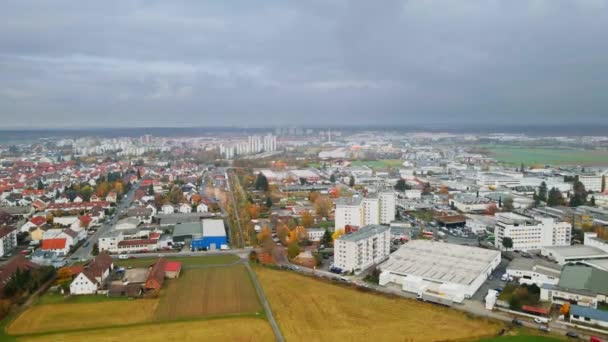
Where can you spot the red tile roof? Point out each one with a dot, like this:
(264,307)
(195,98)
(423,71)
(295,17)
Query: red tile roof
(50,244)
(16,262)
(156,277)
(38,220)
(173,266)
(4,231)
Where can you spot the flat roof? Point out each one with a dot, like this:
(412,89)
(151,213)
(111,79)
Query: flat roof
(185,229)
(364,233)
(576,251)
(213,228)
(536,265)
(601,264)
(438,261)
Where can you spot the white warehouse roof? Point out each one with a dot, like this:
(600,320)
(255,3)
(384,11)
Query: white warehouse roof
(213,228)
(440,261)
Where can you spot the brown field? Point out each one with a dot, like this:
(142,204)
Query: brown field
(308,309)
(228,329)
(59,317)
(208,292)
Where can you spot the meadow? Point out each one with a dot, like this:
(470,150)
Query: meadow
(203,260)
(541,156)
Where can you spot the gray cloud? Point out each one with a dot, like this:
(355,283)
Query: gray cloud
(193,63)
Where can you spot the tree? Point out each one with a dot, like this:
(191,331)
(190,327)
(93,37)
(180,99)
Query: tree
(565,309)
(261,183)
(426,188)
(521,168)
(293,249)
(327,238)
(151,190)
(542,192)
(264,233)
(351,181)
(580,194)
(337,234)
(491,209)
(268,202)
(312,196)
(332,178)
(444,190)
(253,210)
(307,220)
(40,185)
(138,174)
(282,233)
(555,198)
(603,183)
(401,185)
(507,243)
(592,201)
(303,181)
(507,205)
(95,249)
(323,206)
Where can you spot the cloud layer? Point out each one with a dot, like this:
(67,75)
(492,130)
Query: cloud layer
(195,63)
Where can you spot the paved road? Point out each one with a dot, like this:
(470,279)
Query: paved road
(84,253)
(260,291)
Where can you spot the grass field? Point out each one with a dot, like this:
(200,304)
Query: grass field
(548,155)
(186,261)
(59,317)
(208,292)
(523,338)
(228,329)
(61,299)
(308,309)
(378,164)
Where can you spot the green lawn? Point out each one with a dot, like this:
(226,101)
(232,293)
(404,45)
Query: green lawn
(55,298)
(378,164)
(547,155)
(186,261)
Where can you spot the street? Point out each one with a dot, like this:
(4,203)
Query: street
(84,253)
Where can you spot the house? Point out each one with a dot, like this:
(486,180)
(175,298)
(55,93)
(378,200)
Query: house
(172,269)
(111,197)
(78,199)
(156,277)
(36,233)
(137,245)
(36,221)
(7,270)
(143,214)
(58,245)
(94,198)
(92,276)
(202,208)
(185,208)
(8,240)
(127,223)
(315,234)
(167,209)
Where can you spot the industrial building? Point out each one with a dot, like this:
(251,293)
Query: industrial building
(207,234)
(534,271)
(574,253)
(454,272)
(531,233)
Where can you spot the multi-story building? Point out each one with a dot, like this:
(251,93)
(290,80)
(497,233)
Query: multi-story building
(8,240)
(591,182)
(359,212)
(528,233)
(359,250)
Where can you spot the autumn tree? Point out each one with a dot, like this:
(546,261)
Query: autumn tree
(84,221)
(307,220)
(444,190)
(293,249)
(282,233)
(491,209)
(565,309)
(337,234)
(264,232)
(323,206)
(312,196)
(253,210)
(119,188)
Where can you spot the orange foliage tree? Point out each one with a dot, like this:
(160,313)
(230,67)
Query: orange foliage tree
(307,220)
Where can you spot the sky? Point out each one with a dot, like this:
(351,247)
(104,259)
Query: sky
(125,63)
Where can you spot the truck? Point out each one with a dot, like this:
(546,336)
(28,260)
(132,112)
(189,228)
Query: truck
(435,298)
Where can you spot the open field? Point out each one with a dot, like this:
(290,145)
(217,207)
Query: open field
(308,309)
(56,298)
(186,261)
(227,329)
(523,338)
(59,317)
(378,164)
(208,292)
(548,155)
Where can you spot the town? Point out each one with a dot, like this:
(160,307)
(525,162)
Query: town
(274,233)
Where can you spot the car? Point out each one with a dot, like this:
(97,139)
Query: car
(161,255)
(544,328)
(85,244)
(541,320)
(572,334)
(517,321)
(123,256)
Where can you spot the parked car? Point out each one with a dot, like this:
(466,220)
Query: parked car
(123,256)
(544,328)
(541,320)
(572,334)
(85,244)
(516,321)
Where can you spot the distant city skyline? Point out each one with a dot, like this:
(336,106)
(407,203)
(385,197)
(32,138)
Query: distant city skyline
(69,64)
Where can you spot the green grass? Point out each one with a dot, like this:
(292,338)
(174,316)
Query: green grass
(602,306)
(378,164)
(55,298)
(424,215)
(531,156)
(186,261)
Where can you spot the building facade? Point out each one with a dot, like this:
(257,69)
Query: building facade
(531,233)
(367,246)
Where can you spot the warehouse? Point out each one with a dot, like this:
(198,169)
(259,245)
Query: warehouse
(574,253)
(451,271)
(214,235)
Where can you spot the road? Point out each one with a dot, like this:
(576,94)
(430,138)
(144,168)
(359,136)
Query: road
(258,287)
(84,253)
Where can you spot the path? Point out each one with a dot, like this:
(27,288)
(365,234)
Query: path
(258,288)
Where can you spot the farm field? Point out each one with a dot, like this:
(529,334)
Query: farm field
(350,315)
(186,261)
(212,291)
(523,338)
(59,317)
(547,155)
(226,329)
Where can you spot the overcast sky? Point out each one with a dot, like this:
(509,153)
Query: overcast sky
(209,63)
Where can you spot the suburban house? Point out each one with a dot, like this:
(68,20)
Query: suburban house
(167,209)
(57,245)
(185,208)
(36,221)
(7,270)
(8,240)
(202,208)
(92,276)
(143,214)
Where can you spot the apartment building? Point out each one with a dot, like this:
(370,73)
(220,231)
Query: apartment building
(387,204)
(348,212)
(8,240)
(359,250)
(591,182)
(529,233)
(359,212)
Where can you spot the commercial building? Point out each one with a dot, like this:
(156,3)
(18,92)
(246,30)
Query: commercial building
(591,182)
(579,285)
(574,253)
(359,250)
(469,203)
(453,272)
(587,315)
(531,233)
(534,271)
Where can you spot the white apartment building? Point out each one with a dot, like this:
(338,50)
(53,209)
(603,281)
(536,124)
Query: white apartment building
(591,182)
(529,233)
(359,212)
(359,250)
(8,240)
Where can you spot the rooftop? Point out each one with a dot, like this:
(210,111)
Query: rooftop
(584,278)
(364,233)
(191,228)
(584,311)
(439,261)
(538,265)
(213,228)
(576,251)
